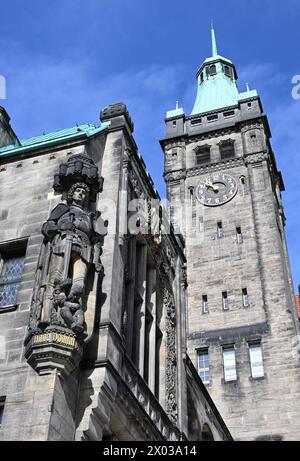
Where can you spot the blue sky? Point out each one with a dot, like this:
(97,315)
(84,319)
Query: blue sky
(65,60)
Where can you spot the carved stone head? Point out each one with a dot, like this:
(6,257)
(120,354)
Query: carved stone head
(79,194)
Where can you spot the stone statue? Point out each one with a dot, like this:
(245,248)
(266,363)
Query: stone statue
(69,271)
(74,244)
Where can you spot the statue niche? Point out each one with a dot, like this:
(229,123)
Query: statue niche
(69,257)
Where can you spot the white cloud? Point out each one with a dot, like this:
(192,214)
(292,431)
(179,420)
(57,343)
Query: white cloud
(260,76)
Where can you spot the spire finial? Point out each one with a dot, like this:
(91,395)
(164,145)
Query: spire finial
(177,104)
(247,86)
(213,40)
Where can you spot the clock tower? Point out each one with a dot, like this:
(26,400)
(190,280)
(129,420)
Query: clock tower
(224,195)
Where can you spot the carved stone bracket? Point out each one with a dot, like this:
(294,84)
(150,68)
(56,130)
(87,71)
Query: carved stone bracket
(54,348)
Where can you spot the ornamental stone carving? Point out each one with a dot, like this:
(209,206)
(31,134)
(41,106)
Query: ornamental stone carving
(171,388)
(72,247)
(175,176)
(256,158)
(220,166)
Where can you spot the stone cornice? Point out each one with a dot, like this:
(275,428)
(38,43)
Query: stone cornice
(228,164)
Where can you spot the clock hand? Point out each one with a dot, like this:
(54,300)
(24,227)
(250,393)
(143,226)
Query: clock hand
(212,187)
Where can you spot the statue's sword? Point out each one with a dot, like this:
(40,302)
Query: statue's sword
(68,249)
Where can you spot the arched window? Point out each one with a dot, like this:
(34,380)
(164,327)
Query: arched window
(206,433)
(243,183)
(201,77)
(212,69)
(227,71)
(227,149)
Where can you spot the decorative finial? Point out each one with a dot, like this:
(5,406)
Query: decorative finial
(247,86)
(177,106)
(213,40)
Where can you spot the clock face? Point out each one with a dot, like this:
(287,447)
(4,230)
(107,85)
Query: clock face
(216,189)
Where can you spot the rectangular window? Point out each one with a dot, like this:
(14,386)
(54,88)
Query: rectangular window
(227,71)
(203,155)
(2,403)
(211,118)
(256,361)
(229,113)
(11,268)
(204,304)
(227,150)
(220,231)
(245,297)
(201,224)
(225,302)
(229,364)
(203,366)
(196,121)
(239,235)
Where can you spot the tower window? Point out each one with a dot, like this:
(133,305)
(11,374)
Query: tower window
(225,301)
(201,224)
(249,105)
(204,304)
(256,360)
(243,185)
(220,231)
(196,121)
(245,297)
(229,363)
(227,150)
(203,365)
(229,113)
(201,77)
(2,404)
(211,118)
(174,123)
(212,69)
(202,155)
(239,235)
(192,195)
(227,71)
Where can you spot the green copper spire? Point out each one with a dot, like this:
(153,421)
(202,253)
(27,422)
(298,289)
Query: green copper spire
(213,41)
(217,86)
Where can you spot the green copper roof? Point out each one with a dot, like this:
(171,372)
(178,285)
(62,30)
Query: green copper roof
(213,41)
(55,137)
(217,89)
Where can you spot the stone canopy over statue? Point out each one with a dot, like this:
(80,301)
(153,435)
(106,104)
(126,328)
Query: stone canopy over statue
(71,252)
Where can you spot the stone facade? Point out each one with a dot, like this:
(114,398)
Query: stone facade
(221,265)
(134,380)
